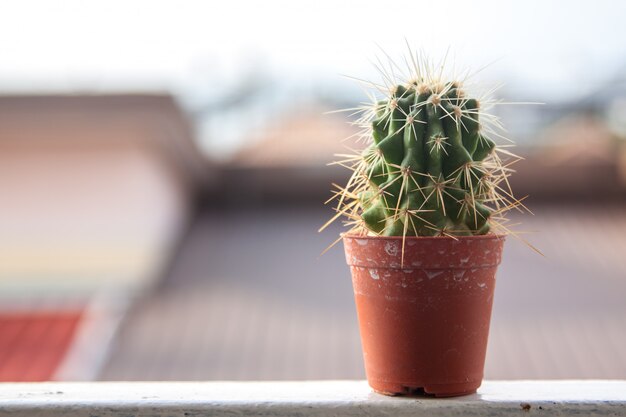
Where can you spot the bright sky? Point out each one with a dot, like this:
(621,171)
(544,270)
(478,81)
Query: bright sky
(546,50)
(65,44)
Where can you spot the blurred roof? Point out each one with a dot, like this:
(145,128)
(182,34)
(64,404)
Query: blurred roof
(309,137)
(578,139)
(34,119)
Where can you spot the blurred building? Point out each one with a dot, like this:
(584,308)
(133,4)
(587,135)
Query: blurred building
(95,193)
(95,190)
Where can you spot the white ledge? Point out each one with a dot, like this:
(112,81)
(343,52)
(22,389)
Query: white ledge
(313,398)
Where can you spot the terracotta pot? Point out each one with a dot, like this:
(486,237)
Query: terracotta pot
(424,319)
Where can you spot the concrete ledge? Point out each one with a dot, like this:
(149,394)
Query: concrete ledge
(315,398)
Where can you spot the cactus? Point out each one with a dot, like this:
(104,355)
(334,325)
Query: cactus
(430,168)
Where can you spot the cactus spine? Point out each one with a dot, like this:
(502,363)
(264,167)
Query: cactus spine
(430,168)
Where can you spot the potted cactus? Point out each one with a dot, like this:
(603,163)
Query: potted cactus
(425,204)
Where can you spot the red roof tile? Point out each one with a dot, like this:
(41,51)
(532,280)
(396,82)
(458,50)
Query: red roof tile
(33,344)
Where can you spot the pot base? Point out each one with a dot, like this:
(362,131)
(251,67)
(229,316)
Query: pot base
(436,390)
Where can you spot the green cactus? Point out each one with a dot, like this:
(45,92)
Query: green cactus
(430,168)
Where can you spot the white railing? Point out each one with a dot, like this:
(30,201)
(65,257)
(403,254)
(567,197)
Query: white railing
(314,398)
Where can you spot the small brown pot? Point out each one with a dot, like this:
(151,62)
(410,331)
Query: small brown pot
(424,319)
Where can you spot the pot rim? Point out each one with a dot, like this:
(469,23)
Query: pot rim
(487,236)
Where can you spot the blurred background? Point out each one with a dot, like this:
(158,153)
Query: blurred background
(163,172)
